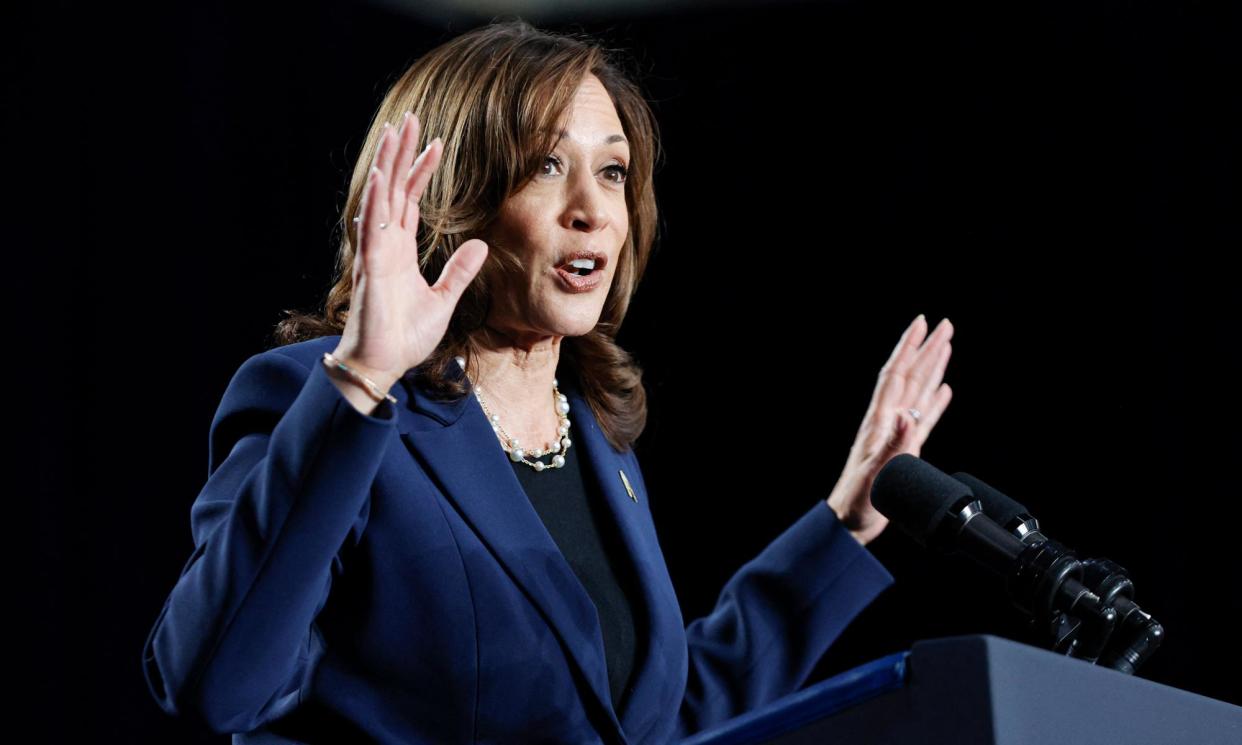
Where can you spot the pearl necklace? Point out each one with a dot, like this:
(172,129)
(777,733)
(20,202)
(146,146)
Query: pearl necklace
(516,453)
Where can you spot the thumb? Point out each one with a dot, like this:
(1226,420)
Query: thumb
(461,268)
(898,435)
(892,442)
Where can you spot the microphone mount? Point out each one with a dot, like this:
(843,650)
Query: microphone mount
(1043,580)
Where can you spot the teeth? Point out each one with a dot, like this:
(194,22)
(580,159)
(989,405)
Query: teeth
(588,264)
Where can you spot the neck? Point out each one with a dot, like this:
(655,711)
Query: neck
(515,373)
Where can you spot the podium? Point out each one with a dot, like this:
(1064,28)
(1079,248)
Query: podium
(983,690)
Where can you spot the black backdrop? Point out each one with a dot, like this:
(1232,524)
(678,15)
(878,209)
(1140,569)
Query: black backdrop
(1059,179)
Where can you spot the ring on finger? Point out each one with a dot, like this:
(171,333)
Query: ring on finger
(381,225)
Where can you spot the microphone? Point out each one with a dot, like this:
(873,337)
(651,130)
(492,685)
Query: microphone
(939,512)
(1138,634)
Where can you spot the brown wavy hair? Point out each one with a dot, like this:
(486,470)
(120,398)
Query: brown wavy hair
(495,95)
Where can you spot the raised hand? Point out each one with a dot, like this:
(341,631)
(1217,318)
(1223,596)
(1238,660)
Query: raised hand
(910,379)
(395,319)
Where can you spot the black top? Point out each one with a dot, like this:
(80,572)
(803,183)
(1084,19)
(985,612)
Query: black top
(571,506)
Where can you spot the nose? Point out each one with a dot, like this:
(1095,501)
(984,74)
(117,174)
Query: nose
(586,204)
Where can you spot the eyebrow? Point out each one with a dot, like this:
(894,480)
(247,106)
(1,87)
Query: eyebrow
(607,140)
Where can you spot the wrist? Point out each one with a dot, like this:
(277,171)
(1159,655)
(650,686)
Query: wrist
(375,383)
(837,504)
(848,521)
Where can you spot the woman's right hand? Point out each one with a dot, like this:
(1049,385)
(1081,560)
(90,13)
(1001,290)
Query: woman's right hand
(395,319)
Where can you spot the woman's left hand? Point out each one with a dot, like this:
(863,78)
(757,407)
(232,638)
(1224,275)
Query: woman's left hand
(911,379)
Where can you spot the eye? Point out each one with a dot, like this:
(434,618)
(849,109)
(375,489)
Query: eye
(621,172)
(550,159)
(619,169)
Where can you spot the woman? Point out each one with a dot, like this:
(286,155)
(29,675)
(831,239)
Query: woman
(411,533)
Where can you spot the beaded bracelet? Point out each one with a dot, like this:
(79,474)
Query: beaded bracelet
(379,395)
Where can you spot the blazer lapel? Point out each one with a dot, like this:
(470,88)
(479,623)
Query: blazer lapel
(456,444)
(657,677)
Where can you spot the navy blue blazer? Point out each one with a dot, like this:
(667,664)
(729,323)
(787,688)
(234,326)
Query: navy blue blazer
(385,579)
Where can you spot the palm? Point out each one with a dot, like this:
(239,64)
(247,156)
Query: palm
(398,319)
(910,379)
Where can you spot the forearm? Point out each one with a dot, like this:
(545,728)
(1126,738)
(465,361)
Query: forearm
(274,513)
(775,619)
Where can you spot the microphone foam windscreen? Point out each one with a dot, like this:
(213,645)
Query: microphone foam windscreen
(915,495)
(996,505)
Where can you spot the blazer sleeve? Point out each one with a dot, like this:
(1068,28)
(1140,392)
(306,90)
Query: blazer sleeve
(290,467)
(775,618)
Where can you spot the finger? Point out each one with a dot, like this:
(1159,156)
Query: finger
(386,151)
(460,269)
(929,353)
(929,385)
(894,376)
(416,181)
(922,367)
(909,342)
(370,193)
(407,139)
(366,187)
(930,411)
(939,403)
(374,211)
(901,425)
(937,376)
(895,436)
(906,345)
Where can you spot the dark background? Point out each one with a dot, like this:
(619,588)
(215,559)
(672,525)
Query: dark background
(1059,179)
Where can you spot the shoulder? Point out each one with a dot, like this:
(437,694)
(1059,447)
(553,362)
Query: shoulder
(308,352)
(262,389)
(288,365)
(271,379)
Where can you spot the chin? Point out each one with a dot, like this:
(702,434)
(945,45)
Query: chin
(577,326)
(579,329)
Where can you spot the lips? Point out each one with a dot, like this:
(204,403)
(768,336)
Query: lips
(571,278)
(601,259)
(574,283)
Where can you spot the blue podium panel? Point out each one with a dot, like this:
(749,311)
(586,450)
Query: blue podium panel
(811,704)
(984,690)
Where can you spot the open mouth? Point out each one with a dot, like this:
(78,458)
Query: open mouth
(581,270)
(583,263)
(580,278)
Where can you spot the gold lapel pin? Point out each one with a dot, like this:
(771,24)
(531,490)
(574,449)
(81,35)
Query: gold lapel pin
(628,488)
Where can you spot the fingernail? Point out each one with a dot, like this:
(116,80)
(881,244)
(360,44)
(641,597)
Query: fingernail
(920,316)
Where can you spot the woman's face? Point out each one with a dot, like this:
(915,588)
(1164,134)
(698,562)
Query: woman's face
(576,203)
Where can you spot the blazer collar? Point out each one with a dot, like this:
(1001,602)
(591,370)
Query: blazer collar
(455,443)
